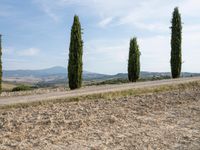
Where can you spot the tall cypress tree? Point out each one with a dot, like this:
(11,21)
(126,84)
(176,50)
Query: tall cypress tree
(0,65)
(176,41)
(75,56)
(134,61)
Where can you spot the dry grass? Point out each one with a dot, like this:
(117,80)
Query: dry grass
(109,95)
(7,86)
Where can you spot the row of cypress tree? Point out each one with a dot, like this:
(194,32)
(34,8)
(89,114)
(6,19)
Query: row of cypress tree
(75,63)
(176,52)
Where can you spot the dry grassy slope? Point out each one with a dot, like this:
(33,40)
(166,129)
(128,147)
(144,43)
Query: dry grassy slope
(164,120)
(7,86)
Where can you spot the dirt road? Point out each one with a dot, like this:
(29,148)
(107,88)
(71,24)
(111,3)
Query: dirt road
(92,90)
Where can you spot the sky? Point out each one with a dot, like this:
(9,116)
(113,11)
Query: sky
(36,33)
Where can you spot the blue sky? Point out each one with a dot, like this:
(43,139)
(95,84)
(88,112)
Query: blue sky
(36,33)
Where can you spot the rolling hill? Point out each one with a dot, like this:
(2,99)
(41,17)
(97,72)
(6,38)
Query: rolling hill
(46,75)
(59,75)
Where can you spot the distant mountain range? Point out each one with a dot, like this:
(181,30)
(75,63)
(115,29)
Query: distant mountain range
(46,75)
(61,71)
(60,74)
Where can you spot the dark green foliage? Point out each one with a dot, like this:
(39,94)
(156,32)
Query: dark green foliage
(111,81)
(134,61)
(0,65)
(21,88)
(176,40)
(75,63)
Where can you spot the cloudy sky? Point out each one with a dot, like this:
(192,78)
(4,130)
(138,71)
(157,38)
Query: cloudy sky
(36,33)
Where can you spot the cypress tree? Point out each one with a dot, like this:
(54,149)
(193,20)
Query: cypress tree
(134,61)
(0,65)
(75,56)
(176,40)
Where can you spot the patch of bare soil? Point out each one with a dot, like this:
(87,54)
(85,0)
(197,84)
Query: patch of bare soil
(168,120)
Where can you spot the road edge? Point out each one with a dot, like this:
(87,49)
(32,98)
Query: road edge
(107,95)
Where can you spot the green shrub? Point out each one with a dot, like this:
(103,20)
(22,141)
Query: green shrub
(113,81)
(22,88)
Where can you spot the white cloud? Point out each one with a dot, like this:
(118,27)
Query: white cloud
(191,51)
(103,23)
(190,8)
(155,52)
(47,7)
(29,52)
(154,27)
(126,12)
(48,11)
(110,55)
(151,13)
(7,50)
(11,60)
(113,54)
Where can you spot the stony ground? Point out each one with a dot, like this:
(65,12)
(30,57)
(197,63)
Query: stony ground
(168,120)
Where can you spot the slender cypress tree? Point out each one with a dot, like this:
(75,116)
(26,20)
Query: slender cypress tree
(75,56)
(134,61)
(0,65)
(176,41)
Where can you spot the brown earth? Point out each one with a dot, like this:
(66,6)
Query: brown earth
(167,120)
